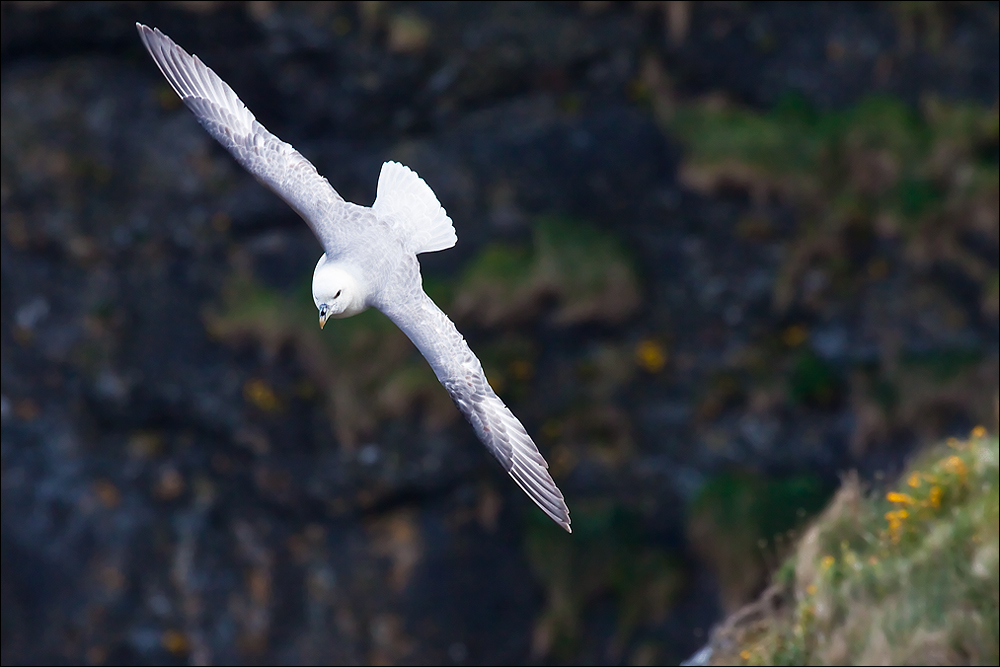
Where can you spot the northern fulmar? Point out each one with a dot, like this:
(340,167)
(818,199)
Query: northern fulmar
(370,257)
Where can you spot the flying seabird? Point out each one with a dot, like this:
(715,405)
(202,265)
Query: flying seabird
(370,259)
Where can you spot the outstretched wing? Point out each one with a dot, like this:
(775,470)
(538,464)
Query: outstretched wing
(273,162)
(459,370)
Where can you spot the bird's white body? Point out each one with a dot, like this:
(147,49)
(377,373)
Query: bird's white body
(370,258)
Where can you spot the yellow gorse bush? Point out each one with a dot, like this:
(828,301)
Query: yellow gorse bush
(895,577)
(949,472)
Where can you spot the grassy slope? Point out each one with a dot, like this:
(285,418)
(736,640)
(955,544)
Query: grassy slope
(908,577)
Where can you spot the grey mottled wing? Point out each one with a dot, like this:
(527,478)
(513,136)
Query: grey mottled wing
(273,162)
(459,370)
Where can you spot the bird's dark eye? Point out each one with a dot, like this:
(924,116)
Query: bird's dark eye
(338,293)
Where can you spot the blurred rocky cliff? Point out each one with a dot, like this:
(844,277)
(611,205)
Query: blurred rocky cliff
(712,255)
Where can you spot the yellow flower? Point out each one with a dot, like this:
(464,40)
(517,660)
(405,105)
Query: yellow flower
(914,480)
(745,654)
(827,562)
(260,394)
(955,465)
(651,356)
(175,642)
(979,432)
(934,497)
(894,497)
(895,520)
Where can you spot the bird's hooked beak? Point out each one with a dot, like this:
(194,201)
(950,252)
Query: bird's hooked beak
(324,313)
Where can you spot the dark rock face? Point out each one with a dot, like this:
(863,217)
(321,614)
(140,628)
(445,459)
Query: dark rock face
(172,493)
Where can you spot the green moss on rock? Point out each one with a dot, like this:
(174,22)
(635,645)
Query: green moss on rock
(583,273)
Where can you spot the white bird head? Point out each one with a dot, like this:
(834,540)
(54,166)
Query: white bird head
(336,291)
